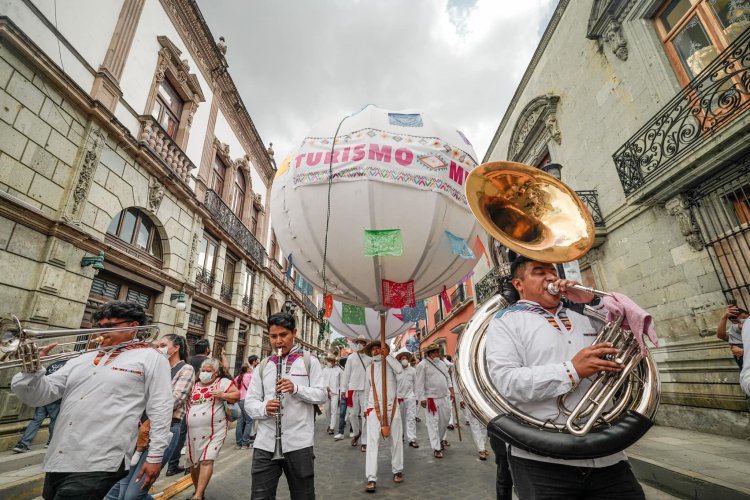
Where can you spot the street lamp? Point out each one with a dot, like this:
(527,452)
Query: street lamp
(554,169)
(180,298)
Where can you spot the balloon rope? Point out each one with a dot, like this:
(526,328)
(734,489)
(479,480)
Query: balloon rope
(328,210)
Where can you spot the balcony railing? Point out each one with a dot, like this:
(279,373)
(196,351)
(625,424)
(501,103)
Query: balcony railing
(311,309)
(204,277)
(225,293)
(163,146)
(718,95)
(458,295)
(247,303)
(591,200)
(437,317)
(488,286)
(234,227)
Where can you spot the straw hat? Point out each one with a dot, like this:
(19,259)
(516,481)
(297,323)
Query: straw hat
(403,353)
(360,340)
(432,347)
(330,357)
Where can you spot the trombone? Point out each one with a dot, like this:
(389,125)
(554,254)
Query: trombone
(18,347)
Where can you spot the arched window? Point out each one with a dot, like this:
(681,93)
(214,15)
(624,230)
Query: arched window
(220,173)
(238,197)
(135,228)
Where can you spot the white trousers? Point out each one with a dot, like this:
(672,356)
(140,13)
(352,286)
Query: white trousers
(408,410)
(332,411)
(357,411)
(478,432)
(373,441)
(437,423)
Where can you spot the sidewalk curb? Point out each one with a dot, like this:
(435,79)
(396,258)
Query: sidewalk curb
(175,488)
(682,482)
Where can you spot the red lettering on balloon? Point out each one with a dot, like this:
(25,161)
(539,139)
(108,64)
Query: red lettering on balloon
(457,174)
(298,160)
(314,158)
(404,157)
(345,155)
(359,152)
(335,157)
(380,154)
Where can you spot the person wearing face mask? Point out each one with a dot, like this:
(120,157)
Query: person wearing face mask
(174,349)
(407,401)
(373,413)
(207,422)
(332,377)
(353,389)
(434,390)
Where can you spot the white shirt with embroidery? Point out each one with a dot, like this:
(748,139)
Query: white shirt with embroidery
(102,404)
(529,361)
(297,407)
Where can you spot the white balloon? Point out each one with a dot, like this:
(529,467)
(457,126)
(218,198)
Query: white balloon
(391,170)
(371,329)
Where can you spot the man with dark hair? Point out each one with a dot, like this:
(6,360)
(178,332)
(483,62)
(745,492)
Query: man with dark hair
(202,351)
(104,393)
(301,387)
(537,350)
(253,360)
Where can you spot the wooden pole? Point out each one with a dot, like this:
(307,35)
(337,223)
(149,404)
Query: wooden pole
(384,422)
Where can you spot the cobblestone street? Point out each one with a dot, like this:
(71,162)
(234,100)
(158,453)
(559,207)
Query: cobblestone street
(340,471)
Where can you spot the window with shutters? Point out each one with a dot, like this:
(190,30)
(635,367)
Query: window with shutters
(107,287)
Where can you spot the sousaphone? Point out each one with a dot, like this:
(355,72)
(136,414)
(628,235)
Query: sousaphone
(536,215)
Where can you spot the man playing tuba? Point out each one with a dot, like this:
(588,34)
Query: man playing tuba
(538,350)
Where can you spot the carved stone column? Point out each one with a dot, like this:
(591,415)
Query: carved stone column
(88,162)
(679,208)
(106,88)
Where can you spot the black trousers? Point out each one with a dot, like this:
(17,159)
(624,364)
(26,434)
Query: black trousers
(503,479)
(80,485)
(296,465)
(543,481)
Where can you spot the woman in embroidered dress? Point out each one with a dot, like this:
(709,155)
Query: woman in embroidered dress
(207,422)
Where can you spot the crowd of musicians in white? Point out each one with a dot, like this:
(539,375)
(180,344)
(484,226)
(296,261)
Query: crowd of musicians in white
(537,350)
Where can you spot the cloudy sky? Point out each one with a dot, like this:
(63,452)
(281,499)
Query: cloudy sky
(297,61)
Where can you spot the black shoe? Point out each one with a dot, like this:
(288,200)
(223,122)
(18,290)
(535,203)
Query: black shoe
(177,470)
(450,427)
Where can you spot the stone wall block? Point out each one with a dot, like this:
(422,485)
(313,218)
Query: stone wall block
(9,107)
(32,126)
(6,230)
(104,200)
(685,253)
(112,160)
(48,90)
(55,117)
(120,188)
(25,92)
(6,71)
(12,142)
(708,283)
(61,147)
(51,280)
(46,192)
(39,160)
(27,243)
(14,174)
(12,300)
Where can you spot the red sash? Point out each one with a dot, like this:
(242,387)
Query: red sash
(350,399)
(431,407)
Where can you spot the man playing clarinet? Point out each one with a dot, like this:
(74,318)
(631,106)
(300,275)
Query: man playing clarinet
(300,386)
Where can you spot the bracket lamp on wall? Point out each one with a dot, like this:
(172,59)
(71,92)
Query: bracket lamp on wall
(180,298)
(554,169)
(97,262)
(289,307)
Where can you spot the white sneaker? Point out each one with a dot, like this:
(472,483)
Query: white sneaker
(338,437)
(351,434)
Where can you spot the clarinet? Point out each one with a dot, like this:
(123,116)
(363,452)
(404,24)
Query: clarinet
(278,454)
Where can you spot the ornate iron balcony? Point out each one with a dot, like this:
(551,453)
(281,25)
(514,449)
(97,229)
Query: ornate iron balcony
(718,95)
(488,286)
(247,301)
(204,276)
(225,293)
(164,147)
(591,200)
(311,309)
(458,295)
(234,227)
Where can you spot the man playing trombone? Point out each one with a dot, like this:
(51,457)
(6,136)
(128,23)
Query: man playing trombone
(538,350)
(104,393)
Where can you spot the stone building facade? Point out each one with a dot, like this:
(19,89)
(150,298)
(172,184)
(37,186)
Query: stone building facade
(645,105)
(127,139)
